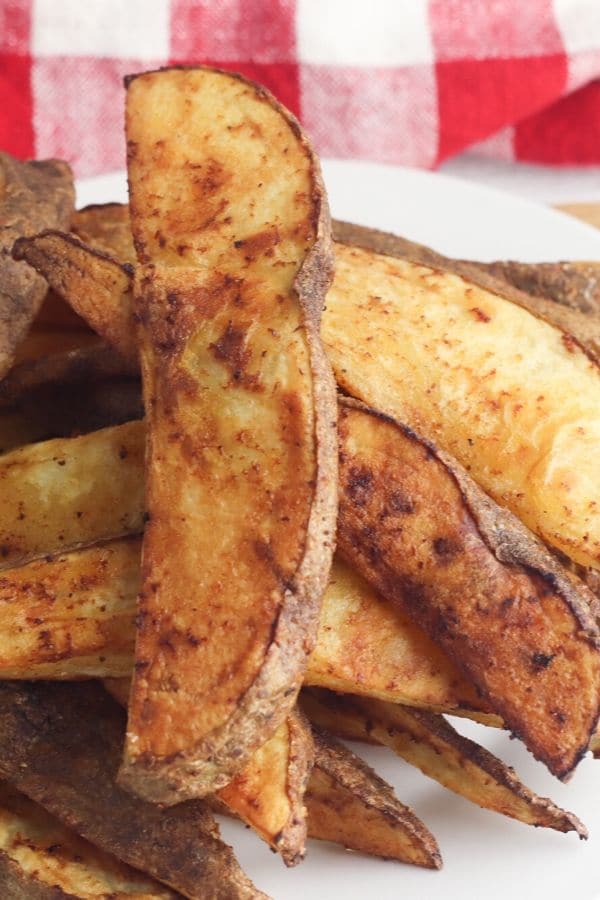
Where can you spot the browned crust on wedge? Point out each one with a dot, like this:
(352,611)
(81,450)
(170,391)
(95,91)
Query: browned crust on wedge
(583,329)
(430,743)
(61,745)
(33,196)
(476,580)
(340,778)
(95,284)
(214,759)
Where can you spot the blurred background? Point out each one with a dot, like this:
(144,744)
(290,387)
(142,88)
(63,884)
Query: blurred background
(506,92)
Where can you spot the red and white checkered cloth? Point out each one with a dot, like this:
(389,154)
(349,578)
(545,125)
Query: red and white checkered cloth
(399,81)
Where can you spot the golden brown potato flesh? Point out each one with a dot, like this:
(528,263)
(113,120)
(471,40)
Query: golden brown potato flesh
(41,859)
(71,616)
(94,284)
(33,195)
(60,744)
(519,627)
(351,805)
(230,224)
(512,397)
(429,742)
(55,494)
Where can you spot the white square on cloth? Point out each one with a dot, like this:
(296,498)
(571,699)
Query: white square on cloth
(117,28)
(363,32)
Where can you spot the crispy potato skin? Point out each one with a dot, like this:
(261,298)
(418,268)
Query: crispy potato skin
(349,804)
(574,284)
(40,859)
(429,742)
(268,794)
(241,486)
(61,746)
(106,227)
(96,286)
(33,196)
(488,373)
(55,495)
(414,524)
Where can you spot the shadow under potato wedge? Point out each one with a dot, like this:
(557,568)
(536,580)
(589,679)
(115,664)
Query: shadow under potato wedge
(41,859)
(60,744)
(66,394)
(240,406)
(430,743)
(515,623)
(33,195)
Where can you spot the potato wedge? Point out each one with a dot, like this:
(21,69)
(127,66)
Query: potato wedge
(60,744)
(107,227)
(33,196)
(240,402)
(499,379)
(429,742)
(351,805)
(96,286)
(72,616)
(55,495)
(419,530)
(40,859)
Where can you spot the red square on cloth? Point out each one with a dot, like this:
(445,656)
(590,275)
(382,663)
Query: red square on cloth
(16,121)
(568,132)
(478,97)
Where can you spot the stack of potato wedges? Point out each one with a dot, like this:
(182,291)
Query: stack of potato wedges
(270,481)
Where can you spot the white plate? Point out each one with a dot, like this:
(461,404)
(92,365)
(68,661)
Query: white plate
(485,855)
